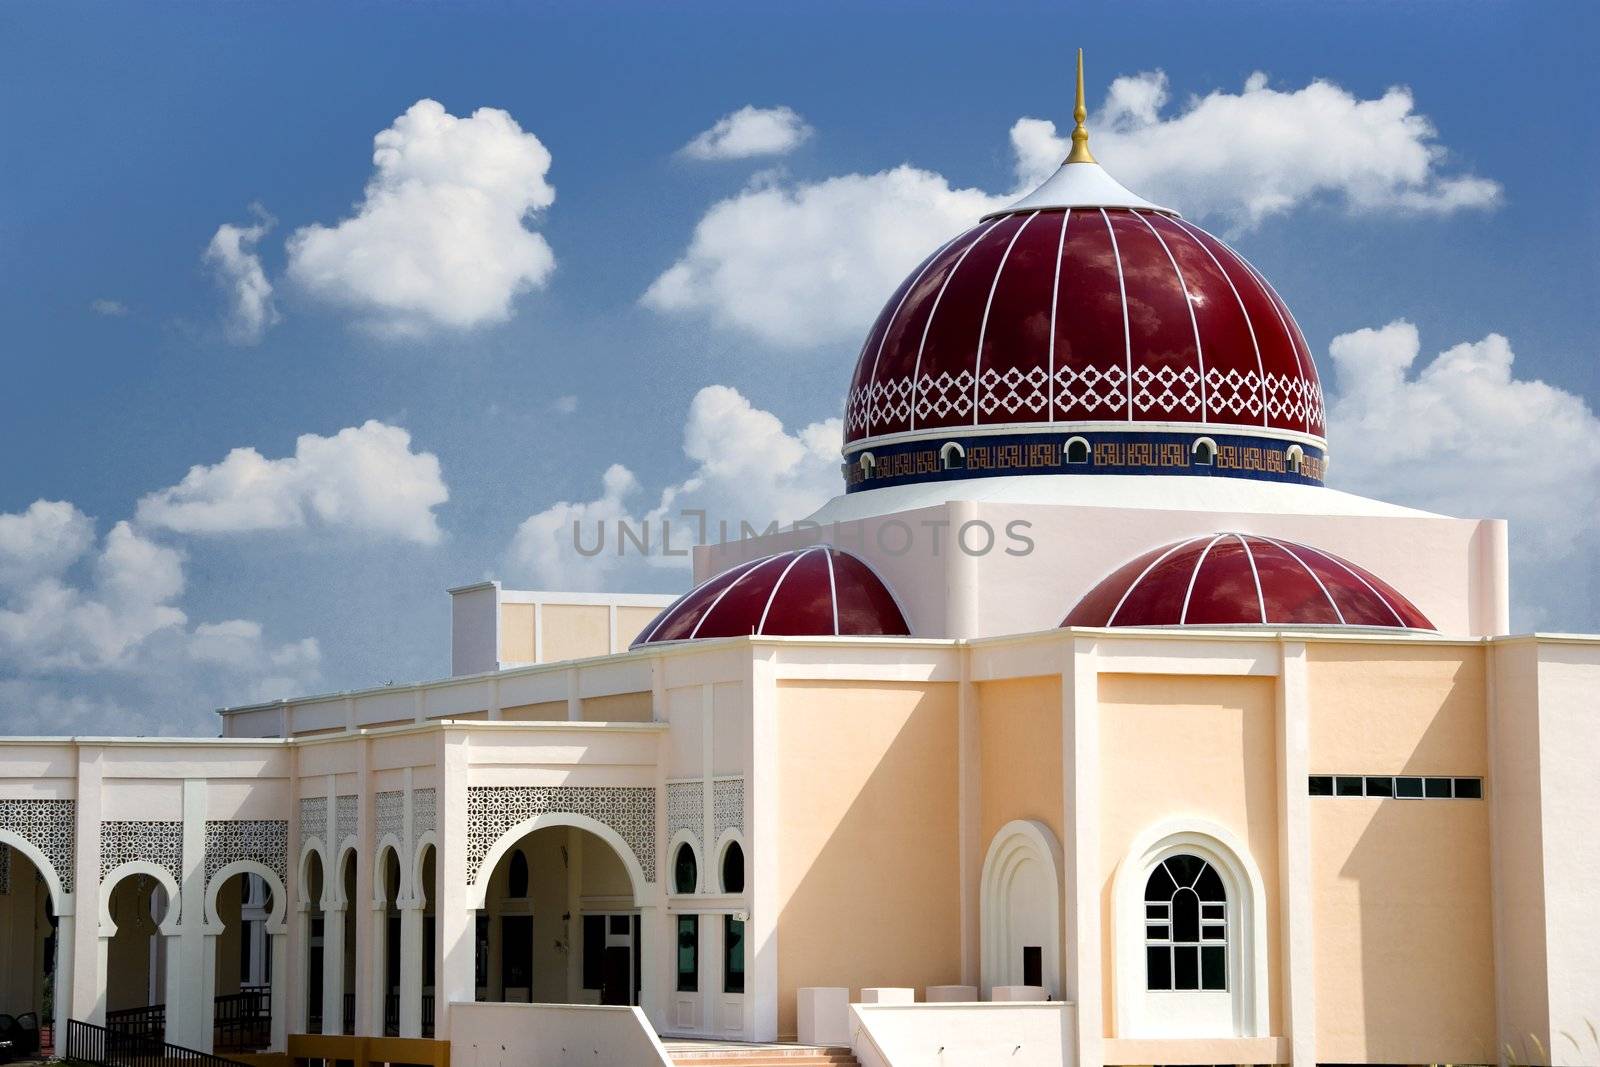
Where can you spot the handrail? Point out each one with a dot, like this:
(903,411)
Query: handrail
(91,1044)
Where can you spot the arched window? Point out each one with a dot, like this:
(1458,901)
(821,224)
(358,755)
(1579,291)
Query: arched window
(685,871)
(1186,926)
(517,877)
(1293,458)
(869,464)
(733,868)
(1077,450)
(1205,452)
(952,457)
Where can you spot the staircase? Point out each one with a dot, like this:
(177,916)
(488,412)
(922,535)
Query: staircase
(741,1054)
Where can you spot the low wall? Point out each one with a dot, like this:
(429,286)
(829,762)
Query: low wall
(551,1035)
(1023,1034)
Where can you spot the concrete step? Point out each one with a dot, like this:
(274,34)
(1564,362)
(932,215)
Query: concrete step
(741,1055)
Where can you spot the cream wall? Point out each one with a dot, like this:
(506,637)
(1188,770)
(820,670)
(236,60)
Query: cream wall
(576,631)
(1188,747)
(869,890)
(1019,724)
(1395,881)
(618,707)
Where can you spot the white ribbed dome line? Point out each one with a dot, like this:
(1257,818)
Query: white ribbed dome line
(1126,593)
(1055,299)
(1122,290)
(889,325)
(1249,554)
(1285,546)
(1188,302)
(1194,576)
(1382,597)
(833,590)
(761,626)
(749,569)
(1261,367)
(983,327)
(933,313)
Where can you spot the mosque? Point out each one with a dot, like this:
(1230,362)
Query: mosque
(1085,726)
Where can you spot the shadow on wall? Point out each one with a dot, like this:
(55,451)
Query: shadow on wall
(1411,879)
(868,832)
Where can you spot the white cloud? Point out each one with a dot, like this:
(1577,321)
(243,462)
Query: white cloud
(1246,156)
(92,639)
(232,257)
(439,238)
(107,307)
(747,469)
(750,131)
(365,479)
(1463,435)
(797,264)
(812,263)
(566,405)
(42,541)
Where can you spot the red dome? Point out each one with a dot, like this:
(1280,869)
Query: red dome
(806,592)
(1230,579)
(1117,315)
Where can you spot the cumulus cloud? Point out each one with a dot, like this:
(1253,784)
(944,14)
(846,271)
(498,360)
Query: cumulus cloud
(747,468)
(1463,435)
(1246,156)
(566,405)
(93,639)
(232,257)
(109,308)
(806,264)
(750,131)
(364,478)
(798,264)
(440,237)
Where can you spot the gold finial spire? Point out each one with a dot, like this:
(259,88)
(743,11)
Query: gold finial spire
(1080,133)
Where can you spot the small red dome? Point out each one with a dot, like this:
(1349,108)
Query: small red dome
(1116,315)
(1230,579)
(806,592)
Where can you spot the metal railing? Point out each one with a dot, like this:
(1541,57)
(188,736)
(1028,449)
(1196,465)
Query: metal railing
(91,1044)
(243,1020)
(149,1022)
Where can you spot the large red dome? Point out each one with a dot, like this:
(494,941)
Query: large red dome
(1231,579)
(1084,309)
(805,592)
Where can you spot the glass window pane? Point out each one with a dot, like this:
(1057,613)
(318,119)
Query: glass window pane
(1408,787)
(1184,869)
(1159,887)
(1438,787)
(1209,885)
(1158,968)
(733,869)
(1322,785)
(1347,786)
(1380,786)
(1185,916)
(1214,933)
(688,953)
(1186,968)
(1214,967)
(1156,933)
(1213,911)
(732,955)
(685,872)
(1155,911)
(1469,788)
(594,950)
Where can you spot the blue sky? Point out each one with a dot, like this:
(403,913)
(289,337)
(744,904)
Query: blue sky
(132,133)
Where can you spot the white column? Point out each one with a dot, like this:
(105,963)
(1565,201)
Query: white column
(1080,755)
(191,972)
(761,861)
(377,967)
(281,990)
(88,1000)
(411,968)
(300,1009)
(65,928)
(1294,857)
(454,914)
(205,1017)
(333,919)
